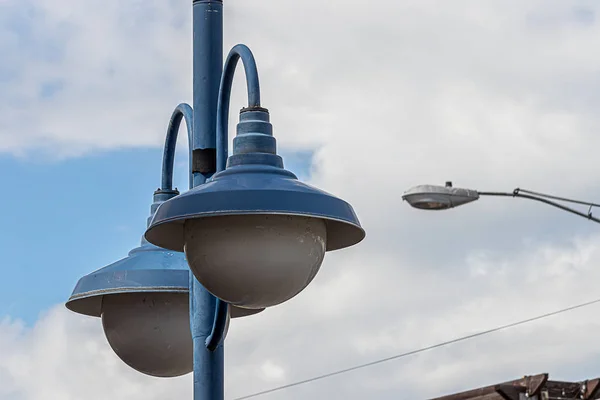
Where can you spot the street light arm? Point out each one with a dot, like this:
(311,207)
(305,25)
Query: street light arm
(217,334)
(549,196)
(252,83)
(516,193)
(182,111)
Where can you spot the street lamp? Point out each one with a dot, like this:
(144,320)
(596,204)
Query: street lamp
(253,235)
(433,197)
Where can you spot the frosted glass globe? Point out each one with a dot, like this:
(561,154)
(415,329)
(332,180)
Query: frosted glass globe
(255,261)
(150,332)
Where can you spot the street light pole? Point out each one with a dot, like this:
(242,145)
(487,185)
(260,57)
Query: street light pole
(207,66)
(253,235)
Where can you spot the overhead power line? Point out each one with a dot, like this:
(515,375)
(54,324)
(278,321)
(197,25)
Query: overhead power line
(421,350)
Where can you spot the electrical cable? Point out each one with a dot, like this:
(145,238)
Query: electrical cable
(421,350)
(549,196)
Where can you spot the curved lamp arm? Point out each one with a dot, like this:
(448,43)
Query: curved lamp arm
(237,52)
(182,111)
(540,198)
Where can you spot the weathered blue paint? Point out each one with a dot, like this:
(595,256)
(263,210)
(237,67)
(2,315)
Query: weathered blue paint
(147,269)
(207,67)
(205,309)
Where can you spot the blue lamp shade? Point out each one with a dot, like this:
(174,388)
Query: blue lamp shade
(147,269)
(245,190)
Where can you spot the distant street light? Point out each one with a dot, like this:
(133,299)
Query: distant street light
(433,197)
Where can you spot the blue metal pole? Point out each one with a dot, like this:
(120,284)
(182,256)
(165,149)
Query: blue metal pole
(208,365)
(208,64)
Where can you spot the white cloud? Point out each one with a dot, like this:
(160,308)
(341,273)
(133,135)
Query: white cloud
(272,371)
(389,95)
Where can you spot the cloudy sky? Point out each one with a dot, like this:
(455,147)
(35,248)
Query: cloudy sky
(367,100)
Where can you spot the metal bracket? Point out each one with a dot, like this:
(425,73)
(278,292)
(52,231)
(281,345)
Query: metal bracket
(204,161)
